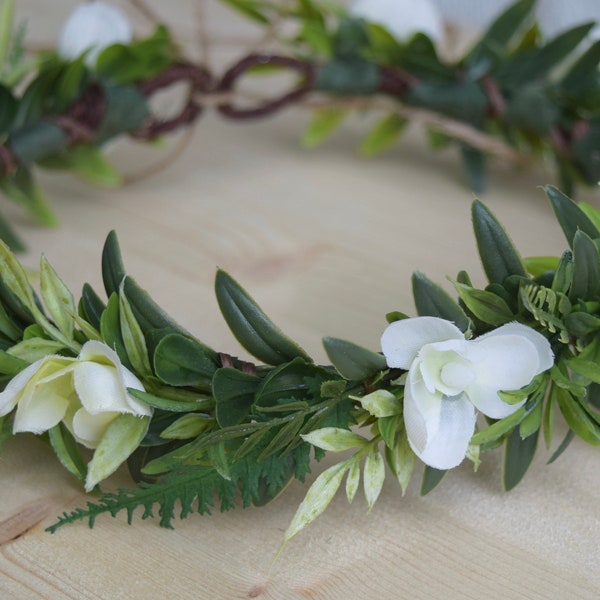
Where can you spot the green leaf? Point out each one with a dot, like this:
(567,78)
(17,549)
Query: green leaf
(474,165)
(570,216)
(6,24)
(383,135)
(14,277)
(120,439)
(431,478)
(317,499)
(234,395)
(90,164)
(65,448)
(539,64)
(464,100)
(323,124)
(582,76)
(92,305)
(388,428)
(57,298)
(35,348)
(499,257)
(381,403)
(125,110)
(352,481)
(36,141)
(538,265)
(353,362)
(518,455)
(334,439)
(250,9)
(9,237)
(252,328)
(133,337)
(499,428)
(562,446)
(495,41)
(533,420)
(577,418)
(22,188)
(9,108)
(11,365)
(373,477)
(182,361)
(195,402)
(432,301)
(486,306)
(402,461)
(585,284)
(110,328)
(348,76)
(218,459)
(286,436)
(113,270)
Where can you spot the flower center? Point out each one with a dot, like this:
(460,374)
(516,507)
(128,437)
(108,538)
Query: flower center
(444,370)
(457,375)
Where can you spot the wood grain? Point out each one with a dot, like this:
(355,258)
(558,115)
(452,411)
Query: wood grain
(326,242)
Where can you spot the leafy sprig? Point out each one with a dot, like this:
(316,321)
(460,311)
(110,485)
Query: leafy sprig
(513,95)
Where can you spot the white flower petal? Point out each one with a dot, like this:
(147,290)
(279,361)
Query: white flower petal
(438,428)
(402,340)
(9,397)
(487,401)
(99,388)
(506,362)
(542,345)
(41,407)
(88,429)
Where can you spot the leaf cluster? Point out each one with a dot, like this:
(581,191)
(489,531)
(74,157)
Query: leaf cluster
(539,97)
(36,139)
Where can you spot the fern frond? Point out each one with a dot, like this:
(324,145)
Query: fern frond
(548,308)
(195,488)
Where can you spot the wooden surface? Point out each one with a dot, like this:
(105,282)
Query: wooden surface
(326,242)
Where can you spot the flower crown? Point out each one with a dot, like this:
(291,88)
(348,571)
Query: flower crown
(494,367)
(513,94)
(122,378)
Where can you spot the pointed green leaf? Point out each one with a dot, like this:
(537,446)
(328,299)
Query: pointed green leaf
(431,478)
(352,480)
(218,459)
(113,270)
(577,418)
(499,428)
(518,455)
(317,499)
(402,461)
(234,395)
(498,255)
(285,437)
(494,42)
(432,301)
(474,165)
(120,439)
(92,305)
(182,361)
(585,284)
(57,298)
(334,439)
(583,74)
(485,305)
(110,328)
(570,216)
(383,135)
(353,362)
(66,450)
(373,477)
(252,328)
(324,123)
(133,337)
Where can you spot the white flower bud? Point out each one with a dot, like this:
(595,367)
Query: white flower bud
(93,27)
(402,18)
